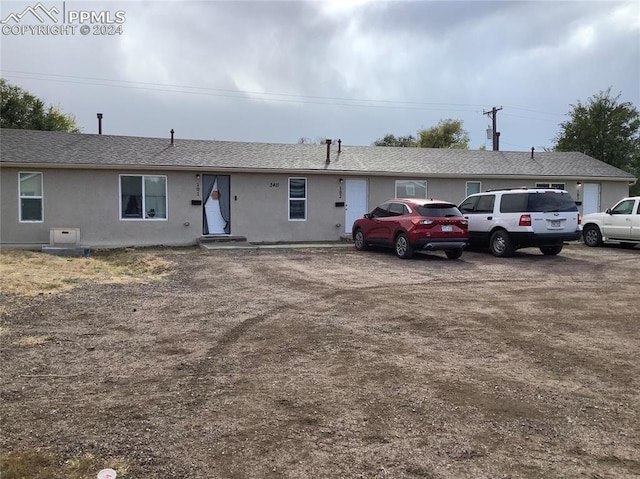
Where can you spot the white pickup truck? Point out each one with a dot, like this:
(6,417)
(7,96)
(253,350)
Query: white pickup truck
(620,224)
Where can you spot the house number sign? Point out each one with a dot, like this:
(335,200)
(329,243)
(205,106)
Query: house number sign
(274,185)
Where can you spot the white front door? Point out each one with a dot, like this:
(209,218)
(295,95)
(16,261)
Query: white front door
(356,202)
(590,198)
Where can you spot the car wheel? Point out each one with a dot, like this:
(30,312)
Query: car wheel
(592,236)
(500,244)
(404,249)
(454,253)
(358,241)
(551,250)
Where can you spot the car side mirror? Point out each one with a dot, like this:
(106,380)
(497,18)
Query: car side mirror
(367,215)
(608,211)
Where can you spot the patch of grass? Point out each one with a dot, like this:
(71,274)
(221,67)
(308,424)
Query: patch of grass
(34,340)
(29,273)
(44,465)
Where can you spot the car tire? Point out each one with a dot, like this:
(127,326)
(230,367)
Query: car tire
(403,247)
(501,244)
(551,250)
(454,253)
(359,242)
(592,236)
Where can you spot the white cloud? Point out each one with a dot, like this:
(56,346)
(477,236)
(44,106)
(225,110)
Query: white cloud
(447,59)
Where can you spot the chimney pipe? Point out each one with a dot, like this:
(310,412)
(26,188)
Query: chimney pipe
(328,142)
(339,145)
(532,149)
(172,132)
(99,123)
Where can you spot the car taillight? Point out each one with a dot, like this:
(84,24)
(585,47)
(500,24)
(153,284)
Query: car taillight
(422,222)
(525,220)
(579,219)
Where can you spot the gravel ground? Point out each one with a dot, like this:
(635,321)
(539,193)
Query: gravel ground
(339,364)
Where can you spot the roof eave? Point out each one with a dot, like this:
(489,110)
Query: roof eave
(310,171)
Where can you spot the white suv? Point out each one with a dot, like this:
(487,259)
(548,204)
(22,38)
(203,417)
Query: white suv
(510,219)
(620,224)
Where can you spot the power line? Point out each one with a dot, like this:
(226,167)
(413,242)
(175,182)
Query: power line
(231,93)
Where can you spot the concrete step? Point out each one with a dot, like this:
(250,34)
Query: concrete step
(209,239)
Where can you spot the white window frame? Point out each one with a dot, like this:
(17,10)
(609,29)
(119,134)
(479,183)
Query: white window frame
(413,186)
(466,187)
(290,199)
(21,196)
(550,185)
(144,218)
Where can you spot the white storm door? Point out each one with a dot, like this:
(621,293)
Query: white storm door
(590,198)
(356,202)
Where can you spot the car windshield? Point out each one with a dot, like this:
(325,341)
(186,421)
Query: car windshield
(537,202)
(441,210)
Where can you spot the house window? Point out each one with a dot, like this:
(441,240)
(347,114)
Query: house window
(473,187)
(411,189)
(30,193)
(555,186)
(143,197)
(297,199)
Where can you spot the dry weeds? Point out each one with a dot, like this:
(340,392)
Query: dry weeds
(43,465)
(29,273)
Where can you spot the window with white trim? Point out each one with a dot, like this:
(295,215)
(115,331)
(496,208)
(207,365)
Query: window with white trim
(30,192)
(297,199)
(411,189)
(473,187)
(555,186)
(143,197)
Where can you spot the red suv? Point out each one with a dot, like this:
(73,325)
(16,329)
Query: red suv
(413,224)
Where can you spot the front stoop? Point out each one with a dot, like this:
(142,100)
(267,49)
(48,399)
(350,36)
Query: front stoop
(219,240)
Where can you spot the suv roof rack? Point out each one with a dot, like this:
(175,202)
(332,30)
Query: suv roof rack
(509,189)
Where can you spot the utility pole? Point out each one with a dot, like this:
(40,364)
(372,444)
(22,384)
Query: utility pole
(496,135)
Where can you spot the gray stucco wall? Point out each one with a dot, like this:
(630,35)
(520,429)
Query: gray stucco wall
(259,208)
(89,200)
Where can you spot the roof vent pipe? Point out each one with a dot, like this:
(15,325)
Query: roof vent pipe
(328,142)
(532,150)
(172,132)
(339,144)
(99,123)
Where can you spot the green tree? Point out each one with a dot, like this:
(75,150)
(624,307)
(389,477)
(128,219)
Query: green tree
(447,134)
(606,129)
(21,110)
(391,140)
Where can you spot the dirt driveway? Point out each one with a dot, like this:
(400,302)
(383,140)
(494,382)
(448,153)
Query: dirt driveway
(330,363)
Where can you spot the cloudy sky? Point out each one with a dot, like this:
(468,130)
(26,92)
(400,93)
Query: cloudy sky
(276,71)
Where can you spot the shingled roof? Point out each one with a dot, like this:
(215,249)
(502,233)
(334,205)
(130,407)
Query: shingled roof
(57,149)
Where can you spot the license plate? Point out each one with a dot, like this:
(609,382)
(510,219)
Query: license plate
(447,228)
(555,223)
